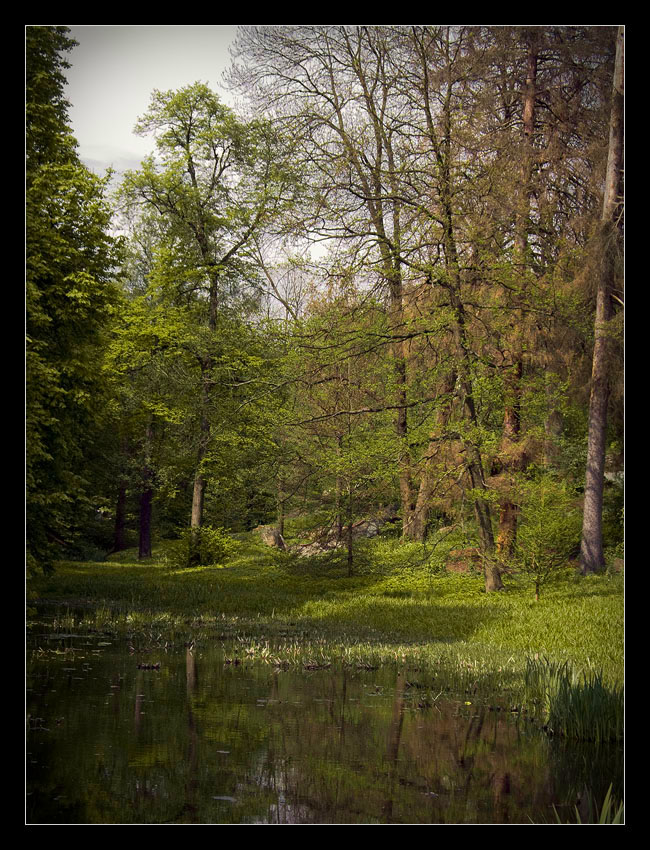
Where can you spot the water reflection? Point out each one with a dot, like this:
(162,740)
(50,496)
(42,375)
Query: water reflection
(111,739)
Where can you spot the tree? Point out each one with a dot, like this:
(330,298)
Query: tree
(70,295)
(452,168)
(218,182)
(333,88)
(342,418)
(606,247)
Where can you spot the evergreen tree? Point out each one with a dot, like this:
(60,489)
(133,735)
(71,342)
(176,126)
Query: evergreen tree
(70,259)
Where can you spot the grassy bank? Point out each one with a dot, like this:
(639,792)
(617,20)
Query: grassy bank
(395,607)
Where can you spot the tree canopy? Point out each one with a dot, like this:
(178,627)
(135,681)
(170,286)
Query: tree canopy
(428,361)
(70,298)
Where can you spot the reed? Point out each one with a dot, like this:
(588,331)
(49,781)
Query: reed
(575,704)
(611,811)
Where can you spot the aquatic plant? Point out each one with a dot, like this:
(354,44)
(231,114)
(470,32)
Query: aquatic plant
(611,811)
(574,704)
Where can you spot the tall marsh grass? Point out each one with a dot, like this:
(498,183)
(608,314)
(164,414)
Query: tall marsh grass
(577,705)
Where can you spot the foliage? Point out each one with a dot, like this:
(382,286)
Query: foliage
(70,297)
(438,346)
(575,705)
(548,531)
(610,812)
(205,546)
(391,602)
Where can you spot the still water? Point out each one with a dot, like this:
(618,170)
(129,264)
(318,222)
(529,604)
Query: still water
(205,736)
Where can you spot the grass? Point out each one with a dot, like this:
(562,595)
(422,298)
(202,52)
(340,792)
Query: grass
(395,608)
(578,706)
(558,661)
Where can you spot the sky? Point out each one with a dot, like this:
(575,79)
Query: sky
(116,68)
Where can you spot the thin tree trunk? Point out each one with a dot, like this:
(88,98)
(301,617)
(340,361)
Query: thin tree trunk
(350,552)
(592,557)
(511,460)
(144,547)
(339,492)
(119,535)
(281,498)
(146,498)
(422,511)
(200,481)
(198,492)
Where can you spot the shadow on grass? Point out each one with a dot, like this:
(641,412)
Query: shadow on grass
(397,617)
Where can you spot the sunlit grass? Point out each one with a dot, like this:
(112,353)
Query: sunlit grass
(406,609)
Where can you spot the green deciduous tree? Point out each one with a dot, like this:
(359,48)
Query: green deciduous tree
(216,184)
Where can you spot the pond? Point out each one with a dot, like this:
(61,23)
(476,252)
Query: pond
(201,735)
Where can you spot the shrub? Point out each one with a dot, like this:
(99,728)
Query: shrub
(548,530)
(203,546)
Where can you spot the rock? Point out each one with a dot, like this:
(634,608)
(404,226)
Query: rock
(327,539)
(367,528)
(270,536)
(615,477)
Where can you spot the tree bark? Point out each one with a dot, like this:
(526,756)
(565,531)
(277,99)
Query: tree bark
(511,460)
(146,498)
(592,559)
(119,537)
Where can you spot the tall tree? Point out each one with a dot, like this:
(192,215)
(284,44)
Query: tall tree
(217,183)
(466,207)
(606,248)
(334,87)
(70,262)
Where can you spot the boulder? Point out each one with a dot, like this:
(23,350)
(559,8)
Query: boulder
(270,536)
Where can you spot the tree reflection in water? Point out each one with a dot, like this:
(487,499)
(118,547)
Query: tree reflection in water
(202,741)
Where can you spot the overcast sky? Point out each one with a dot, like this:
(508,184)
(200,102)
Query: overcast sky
(115,69)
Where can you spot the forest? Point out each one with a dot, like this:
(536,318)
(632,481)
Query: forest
(382,297)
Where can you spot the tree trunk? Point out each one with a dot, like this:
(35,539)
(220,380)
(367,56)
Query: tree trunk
(401,423)
(198,492)
(339,493)
(592,558)
(200,481)
(512,463)
(281,500)
(146,498)
(511,460)
(144,548)
(119,535)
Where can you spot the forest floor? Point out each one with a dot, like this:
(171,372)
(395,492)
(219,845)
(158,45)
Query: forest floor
(396,606)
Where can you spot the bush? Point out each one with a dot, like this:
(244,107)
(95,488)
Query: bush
(548,530)
(205,546)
